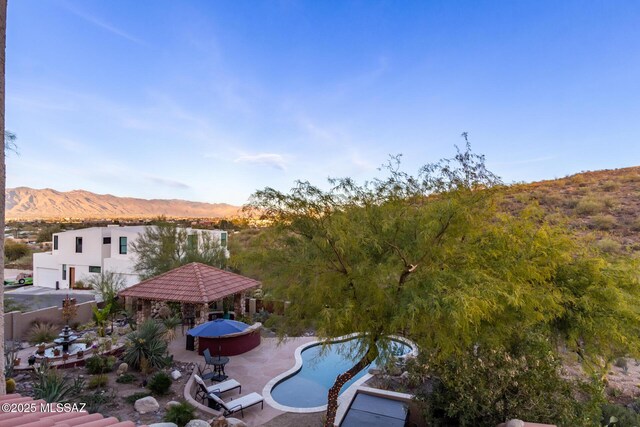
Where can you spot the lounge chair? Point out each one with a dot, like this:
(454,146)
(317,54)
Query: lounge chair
(239,404)
(203,391)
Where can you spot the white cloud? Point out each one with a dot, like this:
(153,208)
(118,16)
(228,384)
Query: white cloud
(104,25)
(277,161)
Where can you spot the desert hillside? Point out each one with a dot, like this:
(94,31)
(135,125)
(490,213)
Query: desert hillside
(29,203)
(605,202)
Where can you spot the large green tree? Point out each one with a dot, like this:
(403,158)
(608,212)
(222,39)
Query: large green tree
(165,246)
(432,257)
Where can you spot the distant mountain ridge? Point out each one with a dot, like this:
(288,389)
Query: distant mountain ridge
(29,203)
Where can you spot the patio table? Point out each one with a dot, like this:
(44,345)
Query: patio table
(218,368)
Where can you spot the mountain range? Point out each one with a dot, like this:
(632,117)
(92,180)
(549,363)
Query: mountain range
(28,203)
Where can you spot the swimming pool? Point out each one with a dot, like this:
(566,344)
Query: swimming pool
(308,385)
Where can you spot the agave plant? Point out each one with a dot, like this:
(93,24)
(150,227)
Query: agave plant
(147,342)
(42,332)
(51,386)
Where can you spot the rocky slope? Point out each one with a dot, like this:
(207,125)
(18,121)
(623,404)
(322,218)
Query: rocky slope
(29,203)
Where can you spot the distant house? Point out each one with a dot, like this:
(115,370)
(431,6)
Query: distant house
(77,254)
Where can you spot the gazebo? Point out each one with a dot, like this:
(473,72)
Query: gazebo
(199,289)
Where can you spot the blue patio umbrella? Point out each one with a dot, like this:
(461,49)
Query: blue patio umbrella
(217,328)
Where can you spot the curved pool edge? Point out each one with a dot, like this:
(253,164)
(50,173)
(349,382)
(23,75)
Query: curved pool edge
(266,391)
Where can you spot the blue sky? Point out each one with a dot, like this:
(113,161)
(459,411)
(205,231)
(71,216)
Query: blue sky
(210,100)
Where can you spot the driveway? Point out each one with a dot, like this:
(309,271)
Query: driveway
(35,297)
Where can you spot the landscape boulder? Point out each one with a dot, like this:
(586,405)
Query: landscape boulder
(197,423)
(171,403)
(234,422)
(122,368)
(176,375)
(220,421)
(163,425)
(515,423)
(146,405)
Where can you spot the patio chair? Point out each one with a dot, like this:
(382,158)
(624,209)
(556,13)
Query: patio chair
(239,404)
(203,391)
(208,360)
(202,373)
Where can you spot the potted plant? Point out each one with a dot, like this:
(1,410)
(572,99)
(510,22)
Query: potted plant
(41,348)
(56,352)
(80,354)
(65,356)
(31,360)
(16,361)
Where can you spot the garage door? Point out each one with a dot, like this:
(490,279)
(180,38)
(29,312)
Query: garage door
(46,277)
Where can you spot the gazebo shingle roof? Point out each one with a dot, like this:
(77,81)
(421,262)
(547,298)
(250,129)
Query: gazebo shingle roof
(192,283)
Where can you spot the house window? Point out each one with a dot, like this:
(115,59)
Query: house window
(223,240)
(78,245)
(64,271)
(55,243)
(106,240)
(192,241)
(123,245)
(94,269)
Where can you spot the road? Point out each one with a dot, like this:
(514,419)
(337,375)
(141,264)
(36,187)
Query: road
(33,297)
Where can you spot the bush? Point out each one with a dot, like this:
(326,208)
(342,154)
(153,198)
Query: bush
(11,385)
(603,222)
(13,250)
(147,343)
(485,387)
(51,386)
(135,396)
(180,414)
(126,378)
(42,332)
(98,381)
(610,185)
(95,401)
(618,416)
(608,246)
(589,206)
(160,383)
(100,365)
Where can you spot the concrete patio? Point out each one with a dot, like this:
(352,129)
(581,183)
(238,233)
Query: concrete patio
(252,369)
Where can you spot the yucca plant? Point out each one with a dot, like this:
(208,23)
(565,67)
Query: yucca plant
(147,342)
(170,324)
(51,386)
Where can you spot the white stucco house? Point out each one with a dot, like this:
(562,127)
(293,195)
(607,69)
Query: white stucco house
(76,254)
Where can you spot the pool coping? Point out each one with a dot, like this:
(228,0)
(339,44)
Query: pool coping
(347,394)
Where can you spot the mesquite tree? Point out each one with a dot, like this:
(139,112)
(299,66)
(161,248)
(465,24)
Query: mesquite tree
(431,256)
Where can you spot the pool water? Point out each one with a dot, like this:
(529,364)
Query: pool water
(308,387)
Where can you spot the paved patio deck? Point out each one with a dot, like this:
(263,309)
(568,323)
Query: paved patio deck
(252,369)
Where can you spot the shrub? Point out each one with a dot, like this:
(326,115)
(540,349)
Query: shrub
(610,185)
(51,386)
(487,386)
(147,343)
(95,401)
(135,396)
(100,365)
(126,378)
(170,325)
(13,250)
(589,206)
(603,222)
(618,416)
(180,414)
(98,381)
(160,383)
(11,385)
(608,246)
(42,332)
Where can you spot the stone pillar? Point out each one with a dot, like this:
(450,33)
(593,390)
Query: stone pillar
(252,306)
